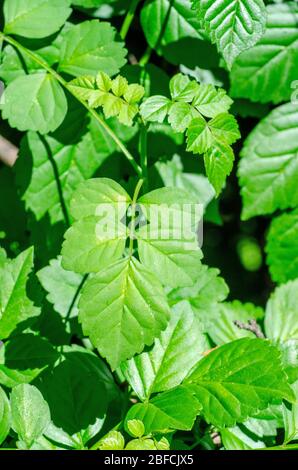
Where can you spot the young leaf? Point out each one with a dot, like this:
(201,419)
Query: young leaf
(155,108)
(5,417)
(173,355)
(281,319)
(182,88)
(237,380)
(35,102)
(98,236)
(199,136)
(282,249)
(219,164)
(210,101)
(290,415)
(30,413)
(15,306)
(265,72)
(268,169)
(175,409)
(35,18)
(180,116)
(122,309)
(90,47)
(234,25)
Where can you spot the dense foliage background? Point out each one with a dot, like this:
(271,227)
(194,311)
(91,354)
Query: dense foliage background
(63,385)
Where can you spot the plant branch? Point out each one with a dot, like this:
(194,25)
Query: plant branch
(67,317)
(129,18)
(64,83)
(144,154)
(251,326)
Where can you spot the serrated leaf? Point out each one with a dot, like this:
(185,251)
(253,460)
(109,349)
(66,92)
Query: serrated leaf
(98,236)
(180,116)
(155,108)
(182,88)
(281,319)
(35,18)
(282,248)
(290,416)
(5,417)
(90,47)
(199,136)
(122,309)
(62,287)
(15,306)
(210,101)
(233,25)
(34,102)
(30,413)
(219,161)
(172,410)
(238,379)
(172,253)
(173,355)
(266,71)
(224,128)
(268,168)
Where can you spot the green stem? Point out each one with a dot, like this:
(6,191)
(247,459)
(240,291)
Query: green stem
(57,178)
(133,214)
(64,83)
(144,154)
(145,57)
(128,18)
(67,317)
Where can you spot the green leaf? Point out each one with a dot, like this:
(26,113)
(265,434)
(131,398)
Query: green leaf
(210,101)
(165,22)
(173,175)
(204,295)
(221,327)
(224,128)
(4,416)
(34,102)
(173,355)
(171,249)
(98,236)
(182,88)
(265,72)
(290,415)
(282,249)
(122,309)
(77,391)
(155,108)
(135,427)
(30,413)
(219,161)
(62,287)
(90,47)
(237,380)
(175,409)
(15,306)
(268,169)
(233,25)
(35,18)
(281,319)
(199,136)
(180,116)
(112,441)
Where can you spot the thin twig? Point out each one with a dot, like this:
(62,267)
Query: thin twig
(251,326)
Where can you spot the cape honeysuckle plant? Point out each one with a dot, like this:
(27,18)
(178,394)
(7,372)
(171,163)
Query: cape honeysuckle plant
(122,119)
